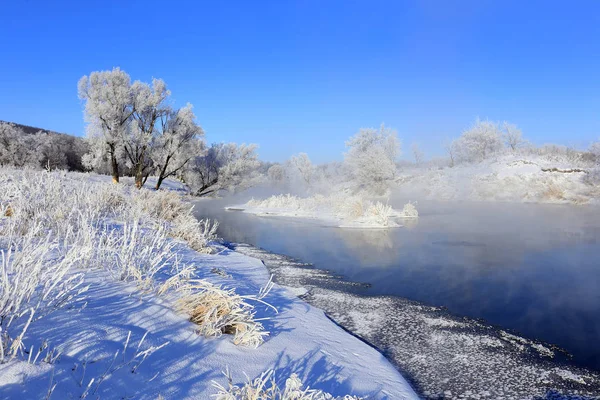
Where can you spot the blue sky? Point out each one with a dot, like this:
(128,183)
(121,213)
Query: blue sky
(298,76)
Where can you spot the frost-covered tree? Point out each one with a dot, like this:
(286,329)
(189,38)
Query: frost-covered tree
(301,167)
(52,151)
(277,174)
(371,158)
(19,149)
(451,150)
(417,153)
(225,166)
(22,146)
(108,110)
(513,137)
(479,142)
(149,106)
(181,140)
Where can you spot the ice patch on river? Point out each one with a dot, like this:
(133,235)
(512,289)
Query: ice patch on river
(443,356)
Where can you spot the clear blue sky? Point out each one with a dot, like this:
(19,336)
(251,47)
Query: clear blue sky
(298,76)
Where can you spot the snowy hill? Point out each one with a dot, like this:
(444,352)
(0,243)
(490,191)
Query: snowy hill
(508,177)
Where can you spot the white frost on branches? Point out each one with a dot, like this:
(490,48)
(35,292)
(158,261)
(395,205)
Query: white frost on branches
(480,141)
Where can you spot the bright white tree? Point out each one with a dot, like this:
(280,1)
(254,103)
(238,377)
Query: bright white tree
(108,110)
(149,106)
(371,158)
(479,142)
(181,140)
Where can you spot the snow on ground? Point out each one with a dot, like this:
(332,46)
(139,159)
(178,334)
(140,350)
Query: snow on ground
(302,341)
(120,339)
(508,177)
(340,210)
(442,355)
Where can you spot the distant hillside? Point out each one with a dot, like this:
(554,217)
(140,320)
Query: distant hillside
(30,130)
(69,149)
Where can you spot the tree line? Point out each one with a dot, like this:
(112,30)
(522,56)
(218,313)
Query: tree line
(132,127)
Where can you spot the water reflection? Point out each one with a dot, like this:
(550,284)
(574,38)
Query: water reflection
(530,268)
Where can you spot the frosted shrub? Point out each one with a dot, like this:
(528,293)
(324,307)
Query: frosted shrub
(162,205)
(265,387)
(352,207)
(410,211)
(197,233)
(381,212)
(219,311)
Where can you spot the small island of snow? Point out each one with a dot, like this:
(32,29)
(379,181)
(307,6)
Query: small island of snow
(341,210)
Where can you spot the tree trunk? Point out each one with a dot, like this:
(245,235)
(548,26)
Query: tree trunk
(114,165)
(159,182)
(139,177)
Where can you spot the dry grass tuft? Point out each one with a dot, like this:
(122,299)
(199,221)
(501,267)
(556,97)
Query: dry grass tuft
(219,311)
(553,192)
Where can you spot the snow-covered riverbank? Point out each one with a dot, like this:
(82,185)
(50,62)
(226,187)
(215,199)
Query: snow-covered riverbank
(443,355)
(127,335)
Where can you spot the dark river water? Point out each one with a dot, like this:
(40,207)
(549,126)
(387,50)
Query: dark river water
(532,269)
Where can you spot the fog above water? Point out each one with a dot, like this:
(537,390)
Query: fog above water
(527,267)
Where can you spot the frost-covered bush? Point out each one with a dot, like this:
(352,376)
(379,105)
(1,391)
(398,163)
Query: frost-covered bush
(219,311)
(162,205)
(196,233)
(380,212)
(371,158)
(410,211)
(266,387)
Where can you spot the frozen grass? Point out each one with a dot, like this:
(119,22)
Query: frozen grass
(59,230)
(54,226)
(265,387)
(347,209)
(219,311)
